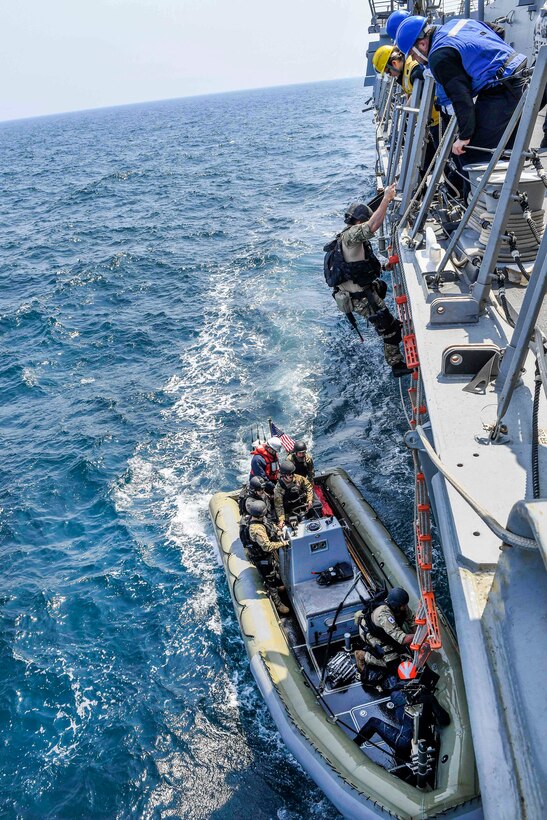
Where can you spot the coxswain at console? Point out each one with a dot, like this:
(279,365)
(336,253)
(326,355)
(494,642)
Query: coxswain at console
(293,494)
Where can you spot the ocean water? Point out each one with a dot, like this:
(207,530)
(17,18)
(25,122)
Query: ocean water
(162,291)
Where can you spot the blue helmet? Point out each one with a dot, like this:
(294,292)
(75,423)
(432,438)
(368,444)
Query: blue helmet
(408,32)
(394,21)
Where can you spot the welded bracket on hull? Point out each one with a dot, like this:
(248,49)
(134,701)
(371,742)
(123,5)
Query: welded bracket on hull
(479,385)
(453,310)
(471,360)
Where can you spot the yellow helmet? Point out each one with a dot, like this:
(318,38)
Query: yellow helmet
(381,58)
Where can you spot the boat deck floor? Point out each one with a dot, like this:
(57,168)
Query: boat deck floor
(351,705)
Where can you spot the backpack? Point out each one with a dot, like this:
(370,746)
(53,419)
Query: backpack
(243,496)
(377,597)
(367,625)
(342,571)
(335,268)
(244,536)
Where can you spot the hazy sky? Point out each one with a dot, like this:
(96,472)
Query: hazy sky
(65,55)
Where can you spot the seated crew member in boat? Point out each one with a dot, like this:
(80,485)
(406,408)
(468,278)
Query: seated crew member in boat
(262,539)
(384,636)
(410,700)
(256,488)
(363,269)
(293,494)
(302,460)
(265,460)
(468,60)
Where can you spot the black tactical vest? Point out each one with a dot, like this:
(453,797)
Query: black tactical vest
(364,272)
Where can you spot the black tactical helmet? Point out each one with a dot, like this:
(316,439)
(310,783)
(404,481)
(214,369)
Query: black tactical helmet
(256,507)
(356,212)
(257,483)
(397,597)
(286,468)
(299,447)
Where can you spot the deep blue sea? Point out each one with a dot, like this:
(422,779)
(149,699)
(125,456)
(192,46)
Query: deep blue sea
(161,292)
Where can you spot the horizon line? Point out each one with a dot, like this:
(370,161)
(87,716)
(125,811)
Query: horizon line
(172,99)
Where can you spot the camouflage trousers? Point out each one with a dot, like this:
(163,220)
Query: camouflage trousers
(268,568)
(375,310)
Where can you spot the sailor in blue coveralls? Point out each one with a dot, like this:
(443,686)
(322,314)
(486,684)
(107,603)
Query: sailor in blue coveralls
(407,701)
(468,60)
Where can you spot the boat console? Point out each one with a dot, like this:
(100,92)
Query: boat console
(316,546)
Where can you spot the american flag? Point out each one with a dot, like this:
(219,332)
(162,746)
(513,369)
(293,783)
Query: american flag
(286,441)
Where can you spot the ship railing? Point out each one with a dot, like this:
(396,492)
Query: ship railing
(383,99)
(497,153)
(380,11)
(467,308)
(399,120)
(523,337)
(519,153)
(436,10)
(405,161)
(462,8)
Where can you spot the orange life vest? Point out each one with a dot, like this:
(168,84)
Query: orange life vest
(272,464)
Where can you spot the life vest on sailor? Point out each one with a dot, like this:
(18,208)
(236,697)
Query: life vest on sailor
(302,466)
(272,464)
(254,551)
(410,65)
(485,56)
(368,627)
(293,496)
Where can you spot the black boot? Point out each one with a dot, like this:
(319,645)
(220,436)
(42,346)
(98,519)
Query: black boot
(400,369)
(363,736)
(278,603)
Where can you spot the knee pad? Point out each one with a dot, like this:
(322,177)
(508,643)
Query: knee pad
(387,326)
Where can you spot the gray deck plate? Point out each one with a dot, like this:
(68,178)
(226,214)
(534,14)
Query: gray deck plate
(515,297)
